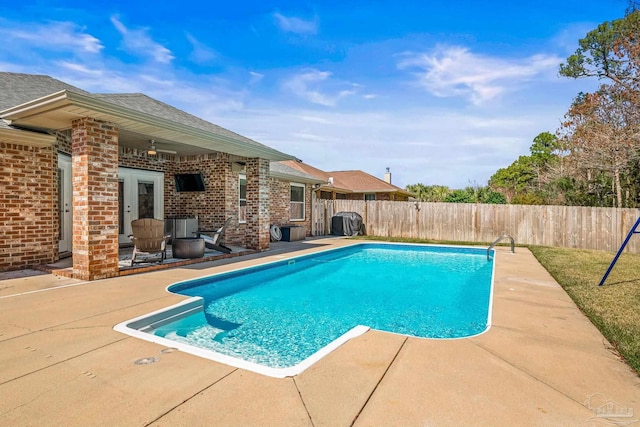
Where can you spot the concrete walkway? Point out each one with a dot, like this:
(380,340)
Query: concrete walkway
(542,363)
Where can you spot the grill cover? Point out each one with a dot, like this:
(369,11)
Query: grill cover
(346,224)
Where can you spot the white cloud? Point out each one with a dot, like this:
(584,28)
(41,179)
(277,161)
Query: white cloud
(307,136)
(455,71)
(315,119)
(81,69)
(200,53)
(296,25)
(56,36)
(307,85)
(138,42)
(255,77)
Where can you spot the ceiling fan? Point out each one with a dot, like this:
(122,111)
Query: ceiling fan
(152,151)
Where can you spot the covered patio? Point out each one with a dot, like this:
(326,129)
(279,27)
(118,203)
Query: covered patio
(112,158)
(64,267)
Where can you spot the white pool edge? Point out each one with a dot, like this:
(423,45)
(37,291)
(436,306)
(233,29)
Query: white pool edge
(189,304)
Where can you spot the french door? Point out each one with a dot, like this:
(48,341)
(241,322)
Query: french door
(65,211)
(140,195)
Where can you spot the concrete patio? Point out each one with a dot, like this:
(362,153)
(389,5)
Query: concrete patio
(542,363)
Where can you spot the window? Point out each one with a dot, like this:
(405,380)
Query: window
(370,196)
(145,200)
(242,204)
(297,202)
(325,195)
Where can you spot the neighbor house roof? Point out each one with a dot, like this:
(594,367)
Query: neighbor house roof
(355,181)
(282,170)
(41,102)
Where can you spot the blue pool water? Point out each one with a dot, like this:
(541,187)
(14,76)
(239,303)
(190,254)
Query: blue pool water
(280,314)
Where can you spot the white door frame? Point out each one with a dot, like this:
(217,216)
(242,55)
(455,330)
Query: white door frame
(130,178)
(65,204)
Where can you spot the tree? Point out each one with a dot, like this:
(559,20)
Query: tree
(544,155)
(515,178)
(494,198)
(611,51)
(602,133)
(475,194)
(528,173)
(601,129)
(461,196)
(428,193)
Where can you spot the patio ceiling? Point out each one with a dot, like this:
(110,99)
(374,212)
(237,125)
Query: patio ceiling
(137,128)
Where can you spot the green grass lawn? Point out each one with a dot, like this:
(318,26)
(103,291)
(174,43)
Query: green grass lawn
(614,308)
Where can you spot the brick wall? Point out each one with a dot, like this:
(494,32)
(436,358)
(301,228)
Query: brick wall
(63,141)
(280,204)
(279,201)
(28,206)
(257,227)
(95,199)
(213,206)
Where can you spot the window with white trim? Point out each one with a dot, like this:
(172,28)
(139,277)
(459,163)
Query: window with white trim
(297,202)
(242,198)
(370,196)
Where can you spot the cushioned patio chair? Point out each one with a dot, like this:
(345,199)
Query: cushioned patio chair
(148,238)
(213,238)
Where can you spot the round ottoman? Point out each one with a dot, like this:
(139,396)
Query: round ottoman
(188,247)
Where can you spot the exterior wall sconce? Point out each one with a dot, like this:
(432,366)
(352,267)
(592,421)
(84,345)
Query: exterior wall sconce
(152,149)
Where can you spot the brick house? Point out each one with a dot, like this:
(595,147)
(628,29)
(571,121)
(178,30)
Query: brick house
(352,185)
(76,168)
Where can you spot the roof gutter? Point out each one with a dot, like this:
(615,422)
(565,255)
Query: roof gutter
(25,137)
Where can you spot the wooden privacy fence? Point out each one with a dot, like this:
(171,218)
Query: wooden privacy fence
(563,226)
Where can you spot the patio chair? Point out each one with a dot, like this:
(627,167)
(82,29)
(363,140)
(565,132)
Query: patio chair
(148,238)
(213,238)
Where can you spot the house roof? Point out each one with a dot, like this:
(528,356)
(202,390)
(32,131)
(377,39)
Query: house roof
(282,170)
(145,104)
(18,88)
(361,182)
(354,181)
(44,103)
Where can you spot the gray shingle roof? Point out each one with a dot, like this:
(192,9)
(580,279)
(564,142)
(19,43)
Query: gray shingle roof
(17,88)
(145,104)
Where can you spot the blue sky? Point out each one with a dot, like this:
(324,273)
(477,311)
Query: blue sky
(440,92)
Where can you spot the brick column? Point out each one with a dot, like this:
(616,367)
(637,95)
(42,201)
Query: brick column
(257,236)
(95,199)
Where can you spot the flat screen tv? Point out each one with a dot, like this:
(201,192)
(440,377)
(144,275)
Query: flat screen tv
(189,182)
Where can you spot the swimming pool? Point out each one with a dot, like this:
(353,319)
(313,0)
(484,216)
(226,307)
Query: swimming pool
(278,319)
